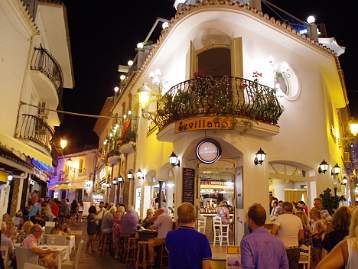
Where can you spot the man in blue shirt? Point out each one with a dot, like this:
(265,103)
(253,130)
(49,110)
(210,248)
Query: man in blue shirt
(187,248)
(260,249)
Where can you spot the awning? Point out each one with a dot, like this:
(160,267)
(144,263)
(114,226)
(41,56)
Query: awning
(68,186)
(22,148)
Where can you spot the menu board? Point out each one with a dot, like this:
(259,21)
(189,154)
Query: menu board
(188,185)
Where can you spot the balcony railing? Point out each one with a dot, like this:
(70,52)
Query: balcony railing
(232,96)
(44,62)
(125,133)
(36,130)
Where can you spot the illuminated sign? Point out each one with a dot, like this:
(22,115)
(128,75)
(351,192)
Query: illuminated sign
(204,123)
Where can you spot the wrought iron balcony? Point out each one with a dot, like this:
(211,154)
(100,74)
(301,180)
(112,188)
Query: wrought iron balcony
(230,96)
(44,62)
(36,130)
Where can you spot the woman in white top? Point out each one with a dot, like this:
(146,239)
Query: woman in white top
(346,252)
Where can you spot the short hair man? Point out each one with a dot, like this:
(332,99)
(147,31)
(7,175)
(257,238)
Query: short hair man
(289,229)
(317,203)
(48,258)
(187,247)
(260,249)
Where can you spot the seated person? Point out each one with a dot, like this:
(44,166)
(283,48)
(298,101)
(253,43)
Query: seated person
(47,257)
(7,242)
(148,221)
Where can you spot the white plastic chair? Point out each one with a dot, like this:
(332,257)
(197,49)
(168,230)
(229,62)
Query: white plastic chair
(75,263)
(25,255)
(221,231)
(305,257)
(201,224)
(217,230)
(53,239)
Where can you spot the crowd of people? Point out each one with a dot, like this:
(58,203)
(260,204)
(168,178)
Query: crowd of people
(293,229)
(119,223)
(28,225)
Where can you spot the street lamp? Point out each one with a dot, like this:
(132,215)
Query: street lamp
(130,174)
(335,170)
(63,143)
(323,167)
(139,174)
(260,157)
(144,94)
(174,160)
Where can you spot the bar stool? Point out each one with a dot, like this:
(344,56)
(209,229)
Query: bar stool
(131,251)
(142,255)
(123,245)
(217,230)
(164,257)
(201,224)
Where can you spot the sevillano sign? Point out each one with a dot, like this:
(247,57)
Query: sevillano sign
(204,123)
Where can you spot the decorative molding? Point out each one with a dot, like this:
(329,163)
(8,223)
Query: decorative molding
(187,10)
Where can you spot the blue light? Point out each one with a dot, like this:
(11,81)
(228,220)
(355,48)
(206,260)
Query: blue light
(42,166)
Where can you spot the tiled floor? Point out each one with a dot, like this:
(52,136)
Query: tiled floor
(96,261)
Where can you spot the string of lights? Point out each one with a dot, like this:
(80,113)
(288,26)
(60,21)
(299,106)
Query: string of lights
(73,113)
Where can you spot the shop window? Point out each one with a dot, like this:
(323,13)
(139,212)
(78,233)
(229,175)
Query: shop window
(214,62)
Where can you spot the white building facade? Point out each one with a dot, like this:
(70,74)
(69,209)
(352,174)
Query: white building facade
(223,81)
(74,176)
(35,66)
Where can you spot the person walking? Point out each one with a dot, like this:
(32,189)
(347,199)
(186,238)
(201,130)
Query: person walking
(259,248)
(187,247)
(91,228)
(345,253)
(289,230)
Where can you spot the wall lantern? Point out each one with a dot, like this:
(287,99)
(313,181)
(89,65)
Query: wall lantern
(260,157)
(120,179)
(323,167)
(115,181)
(130,174)
(344,181)
(335,170)
(174,160)
(144,94)
(139,174)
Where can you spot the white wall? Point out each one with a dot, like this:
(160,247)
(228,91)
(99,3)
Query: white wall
(14,49)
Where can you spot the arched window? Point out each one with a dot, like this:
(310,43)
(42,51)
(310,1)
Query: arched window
(214,62)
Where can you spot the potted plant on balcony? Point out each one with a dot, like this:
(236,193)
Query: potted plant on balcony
(113,156)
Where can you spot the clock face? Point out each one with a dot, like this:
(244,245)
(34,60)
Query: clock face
(208,151)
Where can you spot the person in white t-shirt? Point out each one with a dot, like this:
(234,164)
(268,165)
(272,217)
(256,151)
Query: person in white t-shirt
(289,230)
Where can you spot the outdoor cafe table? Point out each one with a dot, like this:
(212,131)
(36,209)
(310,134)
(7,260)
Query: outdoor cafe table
(63,253)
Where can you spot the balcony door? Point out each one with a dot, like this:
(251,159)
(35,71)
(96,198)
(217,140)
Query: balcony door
(215,62)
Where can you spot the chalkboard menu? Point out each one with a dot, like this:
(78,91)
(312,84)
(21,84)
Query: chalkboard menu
(188,185)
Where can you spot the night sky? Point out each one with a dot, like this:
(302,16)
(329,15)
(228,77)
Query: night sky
(104,34)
